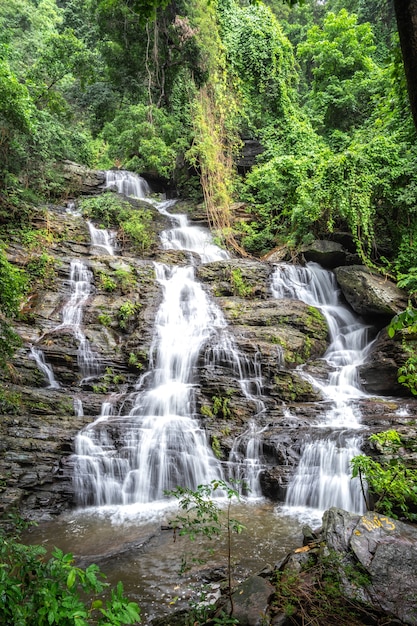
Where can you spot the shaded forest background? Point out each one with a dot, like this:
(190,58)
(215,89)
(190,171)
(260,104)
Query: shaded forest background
(174,89)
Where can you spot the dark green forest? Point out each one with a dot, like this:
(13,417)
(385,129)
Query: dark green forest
(174,89)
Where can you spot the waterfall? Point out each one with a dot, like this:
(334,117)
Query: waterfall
(80,282)
(183,236)
(159,445)
(102,240)
(323,478)
(45,368)
(127,183)
(245,459)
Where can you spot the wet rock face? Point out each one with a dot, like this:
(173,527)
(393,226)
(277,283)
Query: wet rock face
(370,294)
(81,179)
(379,373)
(38,425)
(328,254)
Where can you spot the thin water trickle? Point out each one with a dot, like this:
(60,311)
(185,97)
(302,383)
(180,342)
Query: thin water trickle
(45,368)
(80,283)
(323,477)
(78,407)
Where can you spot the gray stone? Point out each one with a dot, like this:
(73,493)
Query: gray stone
(386,552)
(328,254)
(379,372)
(251,601)
(370,294)
(81,179)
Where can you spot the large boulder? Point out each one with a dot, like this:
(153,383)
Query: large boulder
(370,294)
(377,560)
(250,601)
(379,373)
(328,254)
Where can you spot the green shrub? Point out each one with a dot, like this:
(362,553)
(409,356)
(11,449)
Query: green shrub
(106,282)
(36,591)
(144,138)
(406,323)
(392,486)
(107,209)
(127,312)
(138,230)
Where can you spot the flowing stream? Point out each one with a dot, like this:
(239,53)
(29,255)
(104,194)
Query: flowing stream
(323,475)
(102,240)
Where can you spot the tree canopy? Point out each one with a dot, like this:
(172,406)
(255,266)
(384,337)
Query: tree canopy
(173,89)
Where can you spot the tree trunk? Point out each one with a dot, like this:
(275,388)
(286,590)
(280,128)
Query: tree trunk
(406,15)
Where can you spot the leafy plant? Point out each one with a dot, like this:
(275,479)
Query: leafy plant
(221,406)
(144,138)
(107,209)
(125,278)
(108,379)
(203,516)
(215,445)
(391,485)
(239,287)
(127,312)
(36,591)
(137,230)
(104,319)
(406,322)
(13,287)
(134,361)
(42,269)
(106,282)
(37,239)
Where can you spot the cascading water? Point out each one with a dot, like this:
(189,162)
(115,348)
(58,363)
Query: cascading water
(127,183)
(245,459)
(191,238)
(102,240)
(323,478)
(80,289)
(38,356)
(159,444)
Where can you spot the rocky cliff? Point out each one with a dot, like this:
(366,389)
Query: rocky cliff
(285,337)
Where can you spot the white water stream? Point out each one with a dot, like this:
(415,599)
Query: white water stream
(102,240)
(38,356)
(80,286)
(323,477)
(127,183)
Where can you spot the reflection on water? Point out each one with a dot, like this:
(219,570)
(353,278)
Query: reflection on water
(148,560)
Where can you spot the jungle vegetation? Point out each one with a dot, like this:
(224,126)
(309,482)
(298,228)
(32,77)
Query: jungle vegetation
(173,89)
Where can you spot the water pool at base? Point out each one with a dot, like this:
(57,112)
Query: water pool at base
(135,547)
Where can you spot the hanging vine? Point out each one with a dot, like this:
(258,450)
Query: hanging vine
(212,153)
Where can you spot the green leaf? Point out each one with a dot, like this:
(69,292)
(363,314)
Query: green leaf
(71,578)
